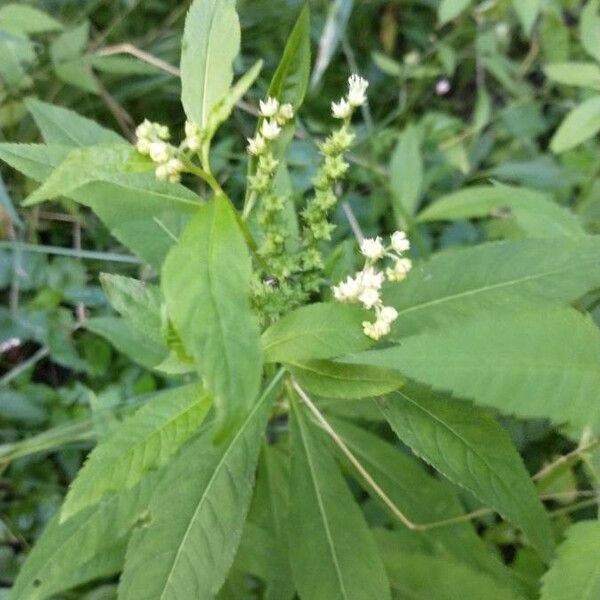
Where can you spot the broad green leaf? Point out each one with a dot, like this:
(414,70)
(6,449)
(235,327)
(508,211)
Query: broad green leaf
(62,126)
(575,574)
(527,11)
(589,28)
(582,74)
(128,340)
(422,498)
(406,174)
(333,553)
(338,380)
(20,18)
(146,440)
(316,331)
(211,41)
(423,577)
(582,123)
(492,276)
(540,362)
(198,512)
(144,214)
(534,212)
(66,547)
(471,449)
(334,29)
(36,161)
(206,285)
(138,302)
(450,9)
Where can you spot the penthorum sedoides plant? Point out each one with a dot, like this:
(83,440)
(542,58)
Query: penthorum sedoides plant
(281,381)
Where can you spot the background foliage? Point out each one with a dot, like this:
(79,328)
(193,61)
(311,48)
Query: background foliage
(481,127)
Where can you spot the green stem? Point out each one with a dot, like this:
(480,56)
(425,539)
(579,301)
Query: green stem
(205,176)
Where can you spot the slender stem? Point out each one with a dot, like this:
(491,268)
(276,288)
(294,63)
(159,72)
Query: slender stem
(26,364)
(582,449)
(57,250)
(207,177)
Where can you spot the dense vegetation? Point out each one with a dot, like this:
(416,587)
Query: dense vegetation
(300,299)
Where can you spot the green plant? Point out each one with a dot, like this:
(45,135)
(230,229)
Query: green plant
(279,377)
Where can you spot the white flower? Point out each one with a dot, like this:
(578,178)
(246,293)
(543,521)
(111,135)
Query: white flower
(286,111)
(341,109)
(159,152)
(174,166)
(256,145)
(163,132)
(270,129)
(162,173)
(347,291)
(372,248)
(357,87)
(388,314)
(400,242)
(400,269)
(143,146)
(370,278)
(144,130)
(377,329)
(369,297)
(442,87)
(269,107)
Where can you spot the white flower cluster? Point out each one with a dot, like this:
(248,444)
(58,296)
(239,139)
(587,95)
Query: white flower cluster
(152,141)
(365,286)
(193,136)
(357,96)
(275,116)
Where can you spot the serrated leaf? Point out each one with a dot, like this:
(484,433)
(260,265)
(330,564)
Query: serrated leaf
(536,213)
(493,276)
(206,285)
(316,331)
(472,450)
(333,553)
(423,577)
(582,123)
(62,126)
(66,547)
(137,301)
(20,18)
(145,441)
(422,498)
(36,161)
(575,574)
(144,214)
(211,41)
(187,552)
(338,380)
(406,174)
(128,340)
(450,9)
(539,362)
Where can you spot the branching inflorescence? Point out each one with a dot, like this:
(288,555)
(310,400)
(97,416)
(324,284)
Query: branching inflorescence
(288,272)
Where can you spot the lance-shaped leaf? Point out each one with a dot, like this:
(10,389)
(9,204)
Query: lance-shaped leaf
(333,553)
(582,123)
(472,450)
(147,440)
(206,285)
(211,41)
(316,331)
(66,127)
(541,362)
(197,512)
(36,161)
(422,498)
(575,574)
(68,553)
(493,276)
(535,213)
